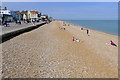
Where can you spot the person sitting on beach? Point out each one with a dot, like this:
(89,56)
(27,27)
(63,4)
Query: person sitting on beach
(59,28)
(81,28)
(73,38)
(112,43)
(76,40)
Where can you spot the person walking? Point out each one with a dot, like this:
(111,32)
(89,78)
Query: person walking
(33,21)
(5,23)
(19,21)
(16,21)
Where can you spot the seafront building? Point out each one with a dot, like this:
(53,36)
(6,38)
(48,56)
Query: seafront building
(24,16)
(50,18)
(39,15)
(17,15)
(44,17)
(6,14)
(9,15)
(32,15)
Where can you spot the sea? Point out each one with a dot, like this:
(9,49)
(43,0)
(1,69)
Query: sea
(106,26)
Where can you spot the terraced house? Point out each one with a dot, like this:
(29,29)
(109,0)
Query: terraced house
(32,14)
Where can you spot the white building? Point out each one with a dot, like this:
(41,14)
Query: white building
(8,12)
(24,16)
(14,15)
(6,15)
(32,14)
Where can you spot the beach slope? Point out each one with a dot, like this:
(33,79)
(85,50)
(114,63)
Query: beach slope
(49,51)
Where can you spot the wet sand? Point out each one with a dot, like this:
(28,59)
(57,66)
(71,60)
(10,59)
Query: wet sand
(48,52)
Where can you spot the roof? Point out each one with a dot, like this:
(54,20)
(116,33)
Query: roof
(17,11)
(34,12)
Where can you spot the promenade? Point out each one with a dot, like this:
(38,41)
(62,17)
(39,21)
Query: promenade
(13,26)
(49,52)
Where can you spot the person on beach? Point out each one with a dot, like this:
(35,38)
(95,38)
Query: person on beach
(81,28)
(73,38)
(112,43)
(76,40)
(87,32)
(60,28)
(63,23)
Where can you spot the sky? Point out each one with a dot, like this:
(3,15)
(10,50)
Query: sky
(60,0)
(70,10)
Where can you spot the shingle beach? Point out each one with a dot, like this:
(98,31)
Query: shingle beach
(49,52)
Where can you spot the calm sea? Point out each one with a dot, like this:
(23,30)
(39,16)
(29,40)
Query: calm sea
(107,26)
